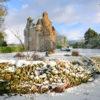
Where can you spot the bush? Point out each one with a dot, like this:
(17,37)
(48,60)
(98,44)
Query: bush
(4,88)
(75,53)
(58,46)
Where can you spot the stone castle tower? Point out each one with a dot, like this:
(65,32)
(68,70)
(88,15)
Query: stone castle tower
(40,35)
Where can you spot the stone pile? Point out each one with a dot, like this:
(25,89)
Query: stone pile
(41,77)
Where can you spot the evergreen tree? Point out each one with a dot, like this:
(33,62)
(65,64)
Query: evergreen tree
(92,39)
(90,34)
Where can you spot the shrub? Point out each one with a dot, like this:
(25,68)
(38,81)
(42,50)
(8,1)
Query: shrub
(75,53)
(4,44)
(4,88)
(59,46)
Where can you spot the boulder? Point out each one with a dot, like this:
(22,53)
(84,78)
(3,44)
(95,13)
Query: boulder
(58,89)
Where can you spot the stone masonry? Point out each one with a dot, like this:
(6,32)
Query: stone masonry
(39,34)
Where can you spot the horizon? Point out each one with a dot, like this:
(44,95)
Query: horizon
(71,19)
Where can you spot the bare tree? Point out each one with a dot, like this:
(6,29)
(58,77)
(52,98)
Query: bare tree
(3,12)
(16,33)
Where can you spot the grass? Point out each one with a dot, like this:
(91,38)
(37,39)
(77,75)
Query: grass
(97,61)
(10,49)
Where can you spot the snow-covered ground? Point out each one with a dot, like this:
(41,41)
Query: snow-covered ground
(89,91)
(58,55)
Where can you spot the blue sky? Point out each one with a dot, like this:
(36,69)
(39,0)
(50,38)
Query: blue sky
(70,17)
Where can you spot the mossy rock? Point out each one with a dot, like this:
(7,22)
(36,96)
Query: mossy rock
(4,87)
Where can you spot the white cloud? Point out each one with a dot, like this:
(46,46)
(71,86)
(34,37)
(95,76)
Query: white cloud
(25,6)
(65,14)
(16,21)
(97,18)
(72,34)
(60,11)
(18,30)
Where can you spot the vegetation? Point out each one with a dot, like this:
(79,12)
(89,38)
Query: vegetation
(96,59)
(58,46)
(90,34)
(27,79)
(78,44)
(61,42)
(2,41)
(91,40)
(75,53)
(16,33)
(3,12)
(4,88)
(10,49)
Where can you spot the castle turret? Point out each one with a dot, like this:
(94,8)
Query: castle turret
(29,22)
(40,34)
(45,14)
(39,25)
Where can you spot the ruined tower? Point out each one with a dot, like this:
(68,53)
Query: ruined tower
(39,34)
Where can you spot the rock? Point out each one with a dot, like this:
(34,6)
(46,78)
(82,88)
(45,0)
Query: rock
(19,55)
(43,76)
(58,89)
(66,85)
(54,72)
(32,78)
(8,76)
(34,89)
(44,89)
(9,68)
(24,90)
(18,71)
(91,79)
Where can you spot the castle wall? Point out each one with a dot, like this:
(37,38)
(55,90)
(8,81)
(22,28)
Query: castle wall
(40,36)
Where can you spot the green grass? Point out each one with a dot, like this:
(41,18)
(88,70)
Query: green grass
(10,49)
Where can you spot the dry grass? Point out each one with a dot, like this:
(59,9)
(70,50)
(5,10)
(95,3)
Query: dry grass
(97,62)
(75,53)
(97,59)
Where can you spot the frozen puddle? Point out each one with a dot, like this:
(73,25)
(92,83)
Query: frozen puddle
(88,91)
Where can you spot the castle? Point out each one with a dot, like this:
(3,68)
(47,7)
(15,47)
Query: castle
(39,34)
